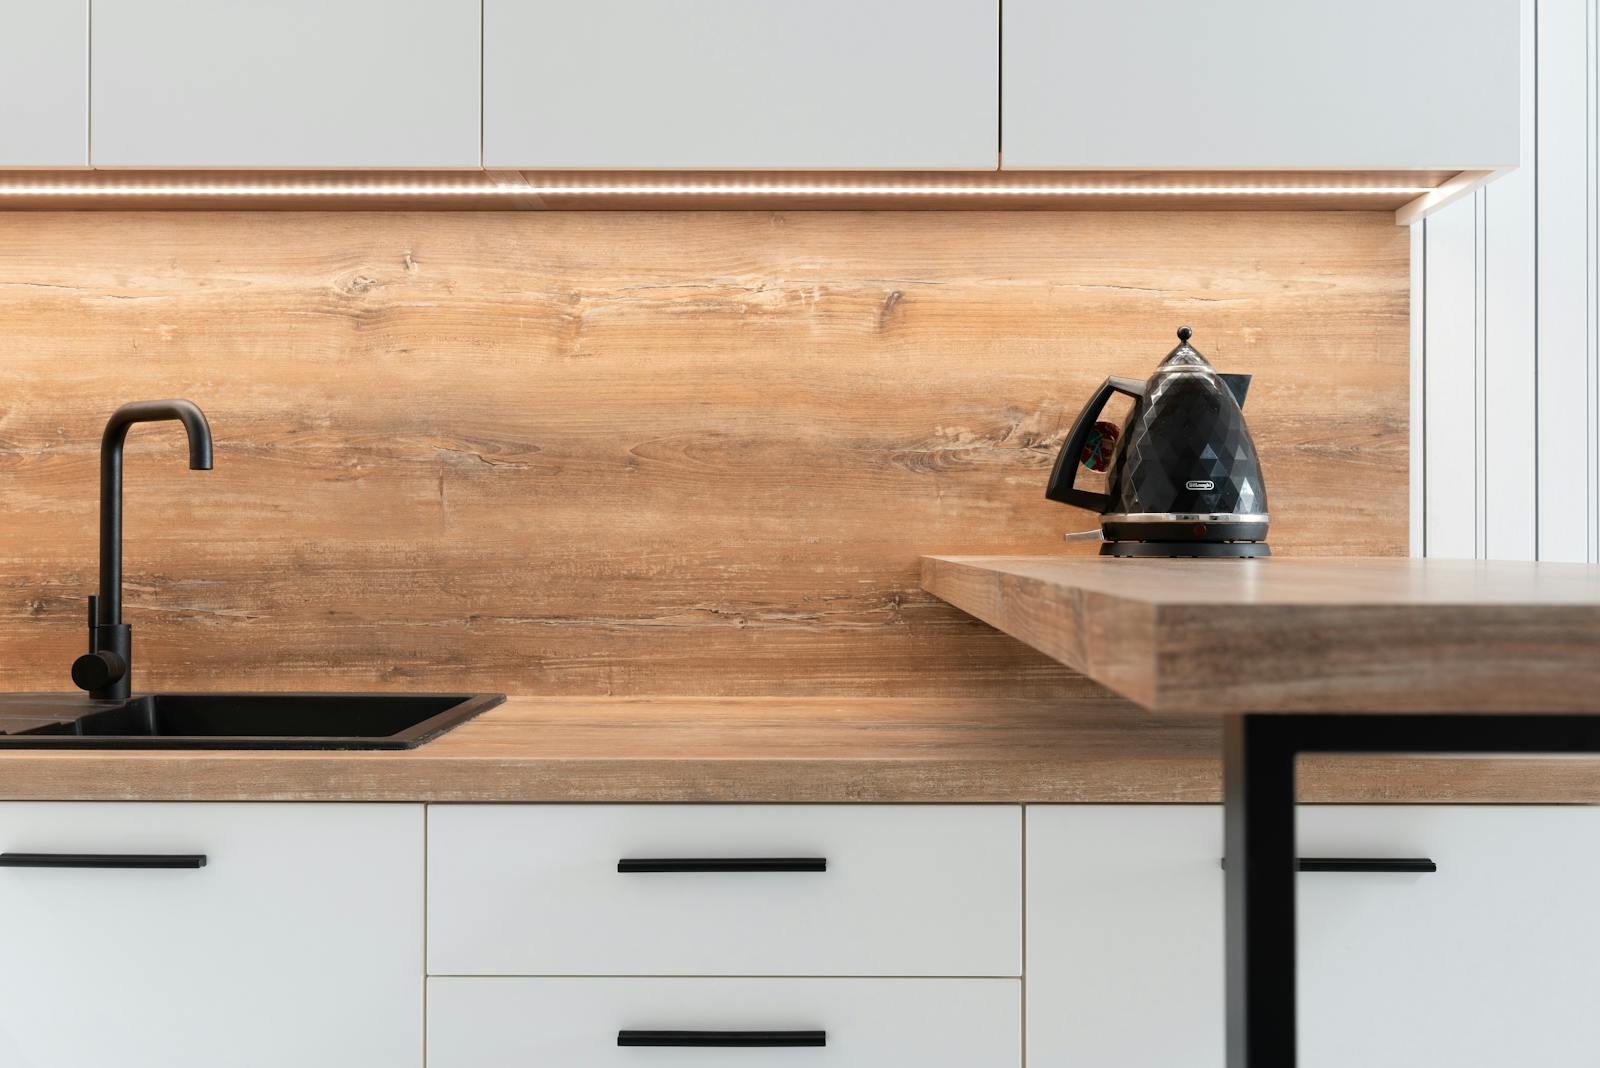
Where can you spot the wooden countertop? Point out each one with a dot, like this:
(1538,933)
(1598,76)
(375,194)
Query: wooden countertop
(531,749)
(1300,635)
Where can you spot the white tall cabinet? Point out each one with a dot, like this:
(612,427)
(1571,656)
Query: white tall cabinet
(345,84)
(1505,309)
(44,83)
(1246,84)
(298,943)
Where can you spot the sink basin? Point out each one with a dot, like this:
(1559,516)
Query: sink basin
(235,720)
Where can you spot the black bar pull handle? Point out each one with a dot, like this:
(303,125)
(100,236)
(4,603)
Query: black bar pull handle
(723,1039)
(1389,865)
(721,864)
(102,860)
(1377,864)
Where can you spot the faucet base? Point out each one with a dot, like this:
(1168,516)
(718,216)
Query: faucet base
(114,643)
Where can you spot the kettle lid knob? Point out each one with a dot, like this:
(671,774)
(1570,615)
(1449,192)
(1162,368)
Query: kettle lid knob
(1184,334)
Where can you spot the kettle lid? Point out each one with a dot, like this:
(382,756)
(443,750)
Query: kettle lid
(1184,357)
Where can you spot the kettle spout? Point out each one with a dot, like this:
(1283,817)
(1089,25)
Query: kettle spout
(1238,385)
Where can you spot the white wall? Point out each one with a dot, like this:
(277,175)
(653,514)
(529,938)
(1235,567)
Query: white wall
(1506,381)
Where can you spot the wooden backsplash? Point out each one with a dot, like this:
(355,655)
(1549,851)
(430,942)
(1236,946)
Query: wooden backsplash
(638,453)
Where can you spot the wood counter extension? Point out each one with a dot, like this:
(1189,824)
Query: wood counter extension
(1300,635)
(1091,749)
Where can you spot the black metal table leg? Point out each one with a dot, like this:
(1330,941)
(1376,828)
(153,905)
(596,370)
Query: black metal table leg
(1258,769)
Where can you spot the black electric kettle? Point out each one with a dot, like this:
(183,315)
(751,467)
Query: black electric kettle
(1182,476)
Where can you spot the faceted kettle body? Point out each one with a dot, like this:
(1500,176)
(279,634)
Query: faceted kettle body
(1183,468)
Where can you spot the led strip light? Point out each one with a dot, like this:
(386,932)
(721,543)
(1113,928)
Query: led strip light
(589,186)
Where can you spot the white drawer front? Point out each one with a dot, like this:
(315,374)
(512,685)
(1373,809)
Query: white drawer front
(298,943)
(908,890)
(1492,960)
(867,1023)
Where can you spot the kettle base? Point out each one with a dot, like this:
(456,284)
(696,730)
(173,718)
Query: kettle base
(1157,550)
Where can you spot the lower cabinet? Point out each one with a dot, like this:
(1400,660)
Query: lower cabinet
(298,942)
(147,935)
(840,935)
(1492,960)
(838,1023)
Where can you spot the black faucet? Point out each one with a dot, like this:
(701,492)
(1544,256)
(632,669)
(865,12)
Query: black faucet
(106,670)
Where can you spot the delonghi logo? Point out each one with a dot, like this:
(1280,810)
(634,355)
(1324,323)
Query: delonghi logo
(1200,484)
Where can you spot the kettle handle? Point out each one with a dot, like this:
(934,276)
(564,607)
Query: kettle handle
(1066,470)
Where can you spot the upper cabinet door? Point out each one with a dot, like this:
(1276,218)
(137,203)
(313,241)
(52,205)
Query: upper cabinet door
(1261,84)
(741,84)
(291,83)
(44,83)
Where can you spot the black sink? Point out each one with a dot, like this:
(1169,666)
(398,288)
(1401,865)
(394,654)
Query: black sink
(235,720)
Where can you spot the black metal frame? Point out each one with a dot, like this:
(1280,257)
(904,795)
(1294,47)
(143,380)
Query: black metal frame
(1259,777)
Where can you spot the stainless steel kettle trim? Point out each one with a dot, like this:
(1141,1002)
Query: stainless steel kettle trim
(1184,527)
(1184,517)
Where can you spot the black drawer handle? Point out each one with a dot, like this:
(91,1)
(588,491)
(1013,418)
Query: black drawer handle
(725,1039)
(1390,865)
(102,860)
(722,864)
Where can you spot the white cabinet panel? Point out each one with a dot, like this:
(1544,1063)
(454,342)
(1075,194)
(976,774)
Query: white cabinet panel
(299,943)
(1453,382)
(1124,936)
(909,890)
(1508,299)
(869,1023)
(293,83)
(1511,341)
(1569,306)
(1260,83)
(1492,960)
(734,84)
(44,83)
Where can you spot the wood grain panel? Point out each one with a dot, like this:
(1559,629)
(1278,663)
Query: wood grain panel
(1097,749)
(626,453)
(1277,635)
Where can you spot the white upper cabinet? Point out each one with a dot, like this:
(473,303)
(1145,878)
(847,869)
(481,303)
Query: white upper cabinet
(44,83)
(1261,84)
(737,84)
(287,84)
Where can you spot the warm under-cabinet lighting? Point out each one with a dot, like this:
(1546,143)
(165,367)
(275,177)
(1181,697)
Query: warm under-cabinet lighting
(1371,190)
(122,186)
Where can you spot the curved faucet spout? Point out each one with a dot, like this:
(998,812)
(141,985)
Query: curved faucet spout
(185,412)
(106,669)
